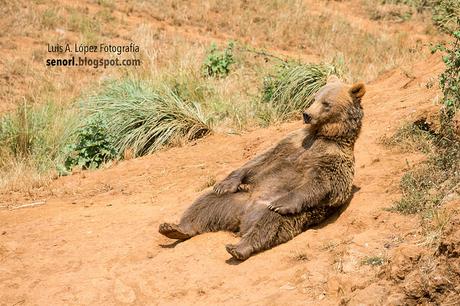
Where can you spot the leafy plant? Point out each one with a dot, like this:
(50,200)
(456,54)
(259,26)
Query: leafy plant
(449,80)
(446,14)
(217,62)
(94,145)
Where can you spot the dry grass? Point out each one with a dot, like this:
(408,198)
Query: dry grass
(300,256)
(22,175)
(434,224)
(412,137)
(208,182)
(32,141)
(303,26)
(427,186)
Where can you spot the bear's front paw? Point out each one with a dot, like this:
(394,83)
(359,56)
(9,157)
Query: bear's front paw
(284,208)
(227,186)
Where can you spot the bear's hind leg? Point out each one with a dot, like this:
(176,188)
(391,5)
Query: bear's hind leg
(209,213)
(270,230)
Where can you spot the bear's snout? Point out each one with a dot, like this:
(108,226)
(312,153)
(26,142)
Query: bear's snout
(306,118)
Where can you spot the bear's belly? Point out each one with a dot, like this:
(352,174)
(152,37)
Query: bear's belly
(280,177)
(274,182)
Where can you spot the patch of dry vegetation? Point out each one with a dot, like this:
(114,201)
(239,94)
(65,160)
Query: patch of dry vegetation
(302,26)
(433,183)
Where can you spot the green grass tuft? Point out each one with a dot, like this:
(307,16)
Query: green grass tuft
(291,89)
(143,119)
(373,261)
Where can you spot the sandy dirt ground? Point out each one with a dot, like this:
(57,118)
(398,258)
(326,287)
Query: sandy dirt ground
(95,240)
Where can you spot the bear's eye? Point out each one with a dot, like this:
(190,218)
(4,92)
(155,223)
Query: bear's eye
(326,104)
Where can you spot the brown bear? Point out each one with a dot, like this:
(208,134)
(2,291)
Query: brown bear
(296,184)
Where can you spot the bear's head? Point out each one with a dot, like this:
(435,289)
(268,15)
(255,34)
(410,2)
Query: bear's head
(336,112)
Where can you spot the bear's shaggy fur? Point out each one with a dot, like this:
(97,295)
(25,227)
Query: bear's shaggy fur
(290,187)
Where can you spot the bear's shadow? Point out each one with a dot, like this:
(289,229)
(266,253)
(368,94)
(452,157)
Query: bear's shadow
(331,219)
(335,215)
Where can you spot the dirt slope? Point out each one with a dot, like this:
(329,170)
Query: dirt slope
(95,240)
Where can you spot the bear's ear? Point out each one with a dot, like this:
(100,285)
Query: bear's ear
(332,79)
(357,91)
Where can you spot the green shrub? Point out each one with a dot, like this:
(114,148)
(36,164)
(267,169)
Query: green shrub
(291,89)
(446,14)
(217,62)
(450,80)
(94,145)
(143,119)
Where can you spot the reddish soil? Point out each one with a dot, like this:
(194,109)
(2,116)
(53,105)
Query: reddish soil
(95,240)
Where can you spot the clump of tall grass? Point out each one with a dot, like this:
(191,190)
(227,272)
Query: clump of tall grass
(32,140)
(291,89)
(143,119)
(39,132)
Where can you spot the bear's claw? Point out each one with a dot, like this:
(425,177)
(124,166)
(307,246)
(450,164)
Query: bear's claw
(226,186)
(283,209)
